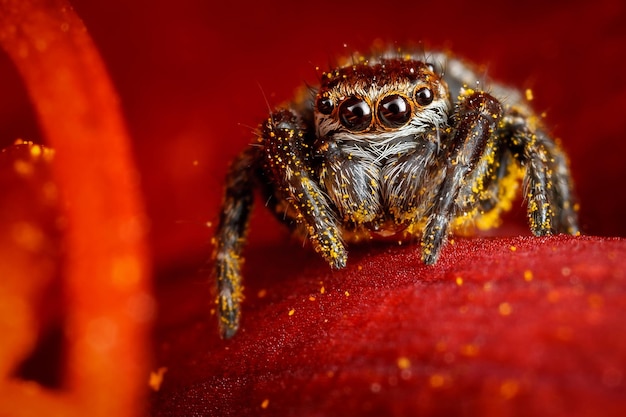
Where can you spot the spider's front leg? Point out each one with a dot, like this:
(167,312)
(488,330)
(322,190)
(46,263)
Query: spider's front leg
(548,185)
(476,119)
(288,160)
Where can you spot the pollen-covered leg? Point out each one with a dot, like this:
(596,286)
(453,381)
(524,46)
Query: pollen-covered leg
(288,159)
(477,118)
(229,240)
(494,187)
(548,185)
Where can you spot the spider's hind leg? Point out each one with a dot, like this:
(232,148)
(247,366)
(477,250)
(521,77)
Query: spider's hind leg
(230,237)
(547,183)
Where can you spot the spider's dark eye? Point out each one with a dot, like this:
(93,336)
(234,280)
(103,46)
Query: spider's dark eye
(394,111)
(424,96)
(355,114)
(325,105)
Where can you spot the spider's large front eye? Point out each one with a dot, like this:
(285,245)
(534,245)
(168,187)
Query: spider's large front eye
(424,96)
(355,114)
(394,111)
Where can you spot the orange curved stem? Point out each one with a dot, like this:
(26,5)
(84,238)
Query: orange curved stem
(106,276)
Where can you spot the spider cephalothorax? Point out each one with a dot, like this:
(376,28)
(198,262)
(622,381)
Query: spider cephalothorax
(392,146)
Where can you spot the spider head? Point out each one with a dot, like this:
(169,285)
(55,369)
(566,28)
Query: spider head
(375,100)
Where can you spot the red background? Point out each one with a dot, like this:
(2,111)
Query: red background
(194,76)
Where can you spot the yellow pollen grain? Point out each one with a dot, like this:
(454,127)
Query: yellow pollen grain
(459,281)
(322,290)
(262,293)
(529,94)
(265,403)
(347,294)
(35,151)
(292,311)
(528,275)
(311,298)
(436,380)
(512,248)
(156,378)
(403,362)
(505,309)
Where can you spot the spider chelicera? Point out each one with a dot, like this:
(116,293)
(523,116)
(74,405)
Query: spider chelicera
(392,145)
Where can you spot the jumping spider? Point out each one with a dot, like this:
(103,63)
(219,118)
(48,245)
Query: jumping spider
(392,145)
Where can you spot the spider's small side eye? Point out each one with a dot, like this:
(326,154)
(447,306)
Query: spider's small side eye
(355,114)
(424,96)
(325,105)
(394,111)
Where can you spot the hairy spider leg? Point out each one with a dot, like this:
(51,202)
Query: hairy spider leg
(547,182)
(230,238)
(494,184)
(288,158)
(478,115)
